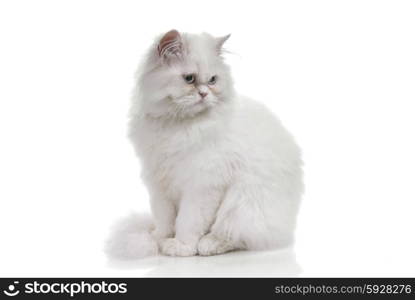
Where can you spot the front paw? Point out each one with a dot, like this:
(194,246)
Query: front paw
(174,247)
(212,245)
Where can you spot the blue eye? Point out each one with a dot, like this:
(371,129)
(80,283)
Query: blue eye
(212,80)
(189,78)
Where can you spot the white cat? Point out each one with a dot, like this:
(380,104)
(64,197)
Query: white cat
(222,172)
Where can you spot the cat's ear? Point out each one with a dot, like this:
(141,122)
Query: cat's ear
(170,45)
(220,41)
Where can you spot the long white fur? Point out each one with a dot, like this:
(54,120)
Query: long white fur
(222,172)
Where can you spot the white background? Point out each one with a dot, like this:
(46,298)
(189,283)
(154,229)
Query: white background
(340,75)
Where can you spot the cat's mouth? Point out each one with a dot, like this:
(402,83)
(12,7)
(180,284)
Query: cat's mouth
(199,106)
(192,105)
(200,100)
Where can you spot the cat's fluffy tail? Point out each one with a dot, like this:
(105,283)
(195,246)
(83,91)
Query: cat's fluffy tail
(130,238)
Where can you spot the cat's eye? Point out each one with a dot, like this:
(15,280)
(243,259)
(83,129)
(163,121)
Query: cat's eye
(212,80)
(189,78)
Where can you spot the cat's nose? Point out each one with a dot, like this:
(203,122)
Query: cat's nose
(203,94)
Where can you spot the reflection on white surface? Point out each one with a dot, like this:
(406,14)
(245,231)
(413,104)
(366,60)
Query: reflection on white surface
(277,263)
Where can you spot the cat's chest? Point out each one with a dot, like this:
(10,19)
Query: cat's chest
(172,154)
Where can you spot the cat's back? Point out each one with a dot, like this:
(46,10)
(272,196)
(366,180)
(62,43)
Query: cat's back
(256,120)
(260,134)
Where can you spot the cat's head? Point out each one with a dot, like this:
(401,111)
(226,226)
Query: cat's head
(184,75)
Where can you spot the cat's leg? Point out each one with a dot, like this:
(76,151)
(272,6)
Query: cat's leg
(164,214)
(196,214)
(252,217)
(223,236)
